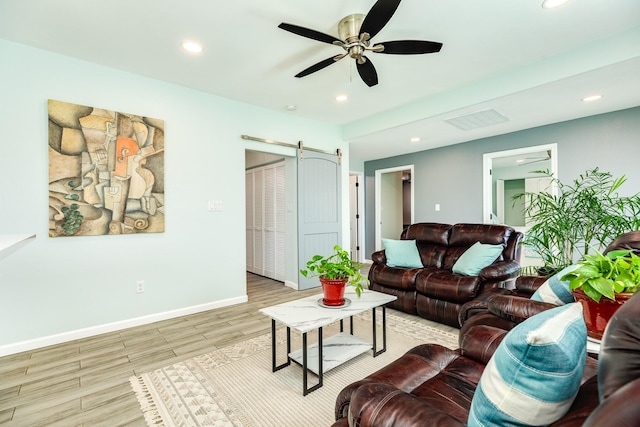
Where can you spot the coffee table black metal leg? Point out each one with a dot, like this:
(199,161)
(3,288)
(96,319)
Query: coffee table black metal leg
(305,371)
(275,367)
(377,352)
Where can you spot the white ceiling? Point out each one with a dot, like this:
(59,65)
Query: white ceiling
(530,64)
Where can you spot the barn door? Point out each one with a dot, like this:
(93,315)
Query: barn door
(319,208)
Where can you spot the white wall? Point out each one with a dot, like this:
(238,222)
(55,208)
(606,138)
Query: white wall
(55,289)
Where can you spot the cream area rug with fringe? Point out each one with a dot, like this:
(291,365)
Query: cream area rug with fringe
(234,385)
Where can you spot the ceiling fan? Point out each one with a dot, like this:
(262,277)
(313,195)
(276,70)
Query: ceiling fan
(536,159)
(355,33)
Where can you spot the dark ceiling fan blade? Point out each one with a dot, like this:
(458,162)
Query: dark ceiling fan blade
(320,65)
(409,47)
(380,13)
(367,72)
(309,33)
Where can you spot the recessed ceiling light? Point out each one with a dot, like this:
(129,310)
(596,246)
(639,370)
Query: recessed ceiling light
(290,107)
(550,4)
(591,98)
(415,139)
(341,98)
(520,161)
(191,46)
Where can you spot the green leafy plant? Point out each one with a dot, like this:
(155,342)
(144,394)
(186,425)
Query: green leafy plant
(586,213)
(336,266)
(606,275)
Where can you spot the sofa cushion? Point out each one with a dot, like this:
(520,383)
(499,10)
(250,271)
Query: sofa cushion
(534,375)
(554,290)
(444,285)
(402,253)
(477,257)
(467,234)
(428,232)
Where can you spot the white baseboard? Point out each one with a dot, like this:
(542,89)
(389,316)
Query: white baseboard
(291,284)
(19,347)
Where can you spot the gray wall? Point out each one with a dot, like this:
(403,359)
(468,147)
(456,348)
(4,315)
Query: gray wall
(452,176)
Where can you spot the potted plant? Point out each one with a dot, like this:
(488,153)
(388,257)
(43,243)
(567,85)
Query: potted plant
(586,213)
(602,283)
(334,271)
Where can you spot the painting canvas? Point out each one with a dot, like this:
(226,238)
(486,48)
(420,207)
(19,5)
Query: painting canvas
(106,172)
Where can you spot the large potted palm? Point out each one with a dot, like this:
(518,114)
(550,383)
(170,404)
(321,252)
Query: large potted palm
(602,283)
(334,272)
(586,213)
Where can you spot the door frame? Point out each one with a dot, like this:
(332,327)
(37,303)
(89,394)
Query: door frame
(487,165)
(378,198)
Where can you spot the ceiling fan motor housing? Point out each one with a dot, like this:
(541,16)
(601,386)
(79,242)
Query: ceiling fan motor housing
(349,32)
(349,27)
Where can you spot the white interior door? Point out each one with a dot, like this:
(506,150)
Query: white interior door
(319,209)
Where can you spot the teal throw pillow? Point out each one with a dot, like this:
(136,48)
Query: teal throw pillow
(402,253)
(477,257)
(555,290)
(533,377)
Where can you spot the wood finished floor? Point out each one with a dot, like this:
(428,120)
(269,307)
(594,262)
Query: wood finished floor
(86,382)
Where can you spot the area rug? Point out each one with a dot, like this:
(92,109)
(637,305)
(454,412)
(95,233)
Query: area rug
(234,385)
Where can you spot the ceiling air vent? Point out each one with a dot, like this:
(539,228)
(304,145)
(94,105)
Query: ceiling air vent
(477,120)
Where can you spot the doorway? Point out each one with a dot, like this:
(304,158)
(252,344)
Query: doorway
(394,202)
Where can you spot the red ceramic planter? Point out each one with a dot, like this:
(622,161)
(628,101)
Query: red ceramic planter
(333,291)
(597,314)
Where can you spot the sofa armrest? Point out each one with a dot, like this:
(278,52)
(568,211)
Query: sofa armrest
(379,404)
(501,270)
(516,309)
(480,342)
(379,257)
(479,305)
(528,285)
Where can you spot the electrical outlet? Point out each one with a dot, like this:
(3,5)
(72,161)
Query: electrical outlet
(140,286)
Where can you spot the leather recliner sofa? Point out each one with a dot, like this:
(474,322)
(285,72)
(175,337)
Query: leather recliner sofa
(434,292)
(433,385)
(507,308)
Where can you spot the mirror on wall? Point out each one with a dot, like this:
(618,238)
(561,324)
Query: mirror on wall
(507,173)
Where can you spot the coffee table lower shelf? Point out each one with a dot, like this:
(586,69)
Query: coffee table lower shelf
(336,350)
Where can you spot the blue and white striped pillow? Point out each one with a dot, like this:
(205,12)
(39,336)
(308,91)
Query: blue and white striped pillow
(534,375)
(555,290)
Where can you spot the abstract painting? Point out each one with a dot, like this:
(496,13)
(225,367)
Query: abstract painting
(106,172)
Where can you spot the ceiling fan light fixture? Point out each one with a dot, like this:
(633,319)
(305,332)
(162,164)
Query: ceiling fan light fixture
(550,4)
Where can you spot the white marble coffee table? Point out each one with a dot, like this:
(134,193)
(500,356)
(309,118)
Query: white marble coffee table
(304,315)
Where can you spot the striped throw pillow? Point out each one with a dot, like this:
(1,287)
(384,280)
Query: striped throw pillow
(534,375)
(555,290)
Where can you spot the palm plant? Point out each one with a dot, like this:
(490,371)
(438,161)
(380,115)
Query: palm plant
(586,213)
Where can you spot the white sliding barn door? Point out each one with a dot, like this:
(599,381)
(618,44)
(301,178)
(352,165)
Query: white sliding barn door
(319,209)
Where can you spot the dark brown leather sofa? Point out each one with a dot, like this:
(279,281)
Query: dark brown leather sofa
(434,291)
(507,308)
(432,385)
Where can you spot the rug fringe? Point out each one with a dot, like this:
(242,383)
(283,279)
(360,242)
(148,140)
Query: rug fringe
(147,402)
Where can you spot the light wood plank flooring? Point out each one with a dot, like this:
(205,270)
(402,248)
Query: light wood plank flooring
(86,382)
